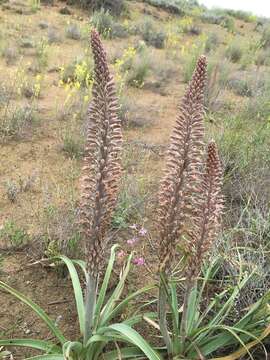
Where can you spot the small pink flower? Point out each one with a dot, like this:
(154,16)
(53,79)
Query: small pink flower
(134,227)
(139,261)
(132,241)
(121,254)
(142,231)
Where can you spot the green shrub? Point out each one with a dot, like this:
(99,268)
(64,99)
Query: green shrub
(190,60)
(265,39)
(152,35)
(263,57)
(115,7)
(229,24)
(102,20)
(218,73)
(72,145)
(42,52)
(242,15)
(78,71)
(211,17)
(16,120)
(13,235)
(138,71)
(119,31)
(106,25)
(234,52)
(241,87)
(212,42)
(180,7)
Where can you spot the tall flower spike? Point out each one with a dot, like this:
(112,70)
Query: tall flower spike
(206,220)
(102,161)
(183,171)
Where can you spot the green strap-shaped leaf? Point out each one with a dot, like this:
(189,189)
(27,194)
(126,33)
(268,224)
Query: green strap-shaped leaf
(34,344)
(71,347)
(132,336)
(113,300)
(77,290)
(37,309)
(192,310)
(126,353)
(104,286)
(82,265)
(47,357)
(126,301)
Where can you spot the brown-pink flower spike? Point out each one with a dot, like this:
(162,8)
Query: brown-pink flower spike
(101,170)
(183,166)
(206,219)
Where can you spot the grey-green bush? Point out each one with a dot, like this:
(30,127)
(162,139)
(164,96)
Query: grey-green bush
(115,7)
(152,35)
(234,52)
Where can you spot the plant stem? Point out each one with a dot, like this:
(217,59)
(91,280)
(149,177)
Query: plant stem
(90,303)
(162,297)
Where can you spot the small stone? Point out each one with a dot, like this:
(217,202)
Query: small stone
(43,25)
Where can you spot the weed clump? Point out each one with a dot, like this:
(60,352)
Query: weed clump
(115,7)
(73,32)
(10,54)
(106,25)
(152,35)
(234,52)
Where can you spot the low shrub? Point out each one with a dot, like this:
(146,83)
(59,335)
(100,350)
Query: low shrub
(72,144)
(54,37)
(212,42)
(265,38)
(12,235)
(263,57)
(10,54)
(180,7)
(190,59)
(234,52)
(16,120)
(218,73)
(73,32)
(103,21)
(78,72)
(241,15)
(138,71)
(152,35)
(241,87)
(229,24)
(106,25)
(211,17)
(132,67)
(115,7)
